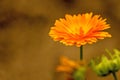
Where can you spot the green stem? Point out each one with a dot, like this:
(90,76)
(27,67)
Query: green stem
(81,52)
(114,75)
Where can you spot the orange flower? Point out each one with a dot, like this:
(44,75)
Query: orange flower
(79,29)
(68,65)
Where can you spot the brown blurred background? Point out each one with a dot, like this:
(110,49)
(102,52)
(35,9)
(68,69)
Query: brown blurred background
(26,50)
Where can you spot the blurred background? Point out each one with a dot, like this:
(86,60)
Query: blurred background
(26,50)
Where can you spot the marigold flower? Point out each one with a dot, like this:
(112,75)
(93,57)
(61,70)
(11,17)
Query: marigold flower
(79,29)
(67,65)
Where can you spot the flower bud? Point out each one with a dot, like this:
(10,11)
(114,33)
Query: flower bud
(107,66)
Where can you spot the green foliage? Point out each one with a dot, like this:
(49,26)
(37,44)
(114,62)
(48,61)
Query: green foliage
(79,74)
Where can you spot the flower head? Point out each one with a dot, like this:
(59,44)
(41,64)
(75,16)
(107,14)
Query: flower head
(75,70)
(68,66)
(107,66)
(79,29)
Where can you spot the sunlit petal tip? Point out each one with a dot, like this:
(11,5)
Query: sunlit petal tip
(67,16)
(109,35)
(91,13)
(78,45)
